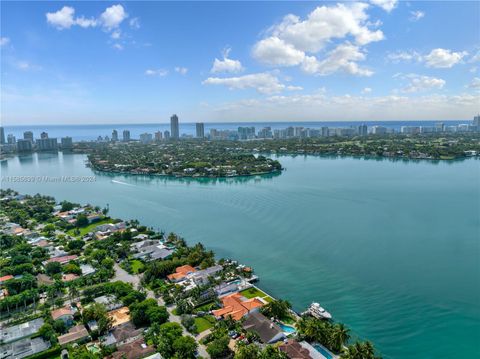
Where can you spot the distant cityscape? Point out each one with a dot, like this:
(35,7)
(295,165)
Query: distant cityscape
(10,144)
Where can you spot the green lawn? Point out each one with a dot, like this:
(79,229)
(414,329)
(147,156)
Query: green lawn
(137,266)
(205,307)
(90,227)
(204,323)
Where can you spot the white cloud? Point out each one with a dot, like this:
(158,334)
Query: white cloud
(416,15)
(62,19)
(294,88)
(276,52)
(475,58)
(156,72)
(113,16)
(85,23)
(295,41)
(117,46)
(423,83)
(475,84)
(319,106)
(4,41)
(342,58)
(387,5)
(26,66)
(134,23)
(443,58)
(407,56)
(366,90)
(226,65)
(181,70)
(264,83)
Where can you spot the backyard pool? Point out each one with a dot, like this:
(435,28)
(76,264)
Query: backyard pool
(288,329)
(319,348)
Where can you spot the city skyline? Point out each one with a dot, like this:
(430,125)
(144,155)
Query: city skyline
(110,62)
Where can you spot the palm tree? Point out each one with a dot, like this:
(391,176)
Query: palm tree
(340,336)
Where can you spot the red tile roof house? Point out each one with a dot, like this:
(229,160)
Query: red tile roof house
(236,306)
(5,278)
(66,314)
(62,260)
(180,273)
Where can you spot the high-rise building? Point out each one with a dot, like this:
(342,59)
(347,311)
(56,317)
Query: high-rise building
(166,134)
(325,131)
(362,130)
(476,121)
(114,136)
(47,144)
(146,138)
(67,143)
(2,136)
(174,130)
(24,145)
(126,135)
(379,130)
(246,133)
(11,140)
(158,136)
(440,127)
(200,130)
(28,135)
(43,135)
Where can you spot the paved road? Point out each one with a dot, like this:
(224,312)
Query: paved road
(122,275)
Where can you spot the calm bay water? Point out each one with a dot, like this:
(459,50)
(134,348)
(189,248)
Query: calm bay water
(392,249)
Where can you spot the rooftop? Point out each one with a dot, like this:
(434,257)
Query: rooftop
(76,333)
(16,332)
(60,312)
(236,306)
(267,330)
(181,272)
(119,316)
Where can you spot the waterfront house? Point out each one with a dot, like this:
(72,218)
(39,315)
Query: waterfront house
(202,276)
(76,334)
(148,250)
(181,273)
(236,306)
(296,350)
(268,331)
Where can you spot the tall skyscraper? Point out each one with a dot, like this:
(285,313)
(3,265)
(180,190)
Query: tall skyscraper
(126,135)
(114,135)
(67,143)
(362,130)
(166,135)
(158,136)
(11,139)
(2,136)
(47,144)
(200,129)
(174,130)
(43,135)
(476,121)
(28,135)
(24,145)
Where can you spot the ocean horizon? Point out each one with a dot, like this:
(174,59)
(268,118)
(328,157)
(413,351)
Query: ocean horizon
(89,132)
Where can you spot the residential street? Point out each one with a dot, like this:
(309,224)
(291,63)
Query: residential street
(124,276)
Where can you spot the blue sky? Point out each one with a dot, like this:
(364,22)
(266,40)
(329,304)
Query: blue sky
(124,62)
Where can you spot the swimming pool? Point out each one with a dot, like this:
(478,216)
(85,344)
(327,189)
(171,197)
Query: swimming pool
(319,348)
(288,329)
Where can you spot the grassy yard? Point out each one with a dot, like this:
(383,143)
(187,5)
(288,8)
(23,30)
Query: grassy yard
(204,323)
(137,266)
(90,227)
(205,307)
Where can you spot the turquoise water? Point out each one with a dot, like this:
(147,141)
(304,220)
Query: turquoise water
(389,248)
(323,351)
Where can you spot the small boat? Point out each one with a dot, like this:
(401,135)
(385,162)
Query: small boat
(316,311)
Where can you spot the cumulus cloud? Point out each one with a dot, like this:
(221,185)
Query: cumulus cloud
(62,19)
(443,58)
(264,82)
(387,5)
(416,15)
(226,65)
(26,66)
(134,23)
(422,83)
(366,90)
(156,72)
(181,70)
(295,41)
(113,16)
(110,19)
(117,46)
(343,58)
(4,41)
(437,58)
